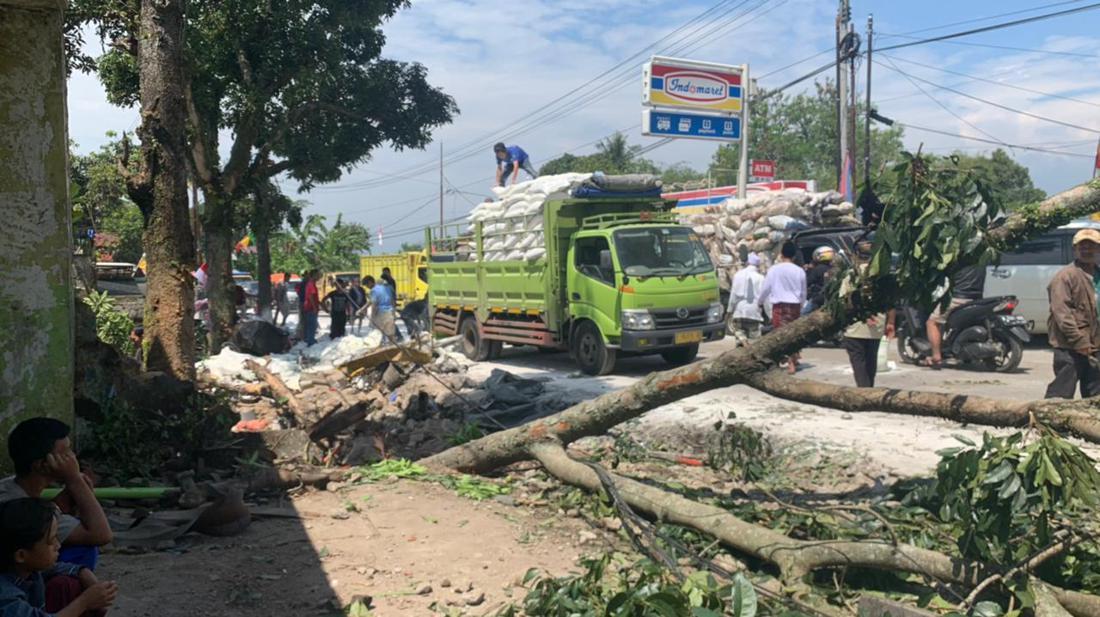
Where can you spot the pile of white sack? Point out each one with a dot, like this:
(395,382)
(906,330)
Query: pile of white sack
(763,222)
(512,227)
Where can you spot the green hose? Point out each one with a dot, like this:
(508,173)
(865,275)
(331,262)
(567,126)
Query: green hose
(120,492)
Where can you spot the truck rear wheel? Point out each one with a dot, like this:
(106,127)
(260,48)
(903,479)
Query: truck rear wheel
(474,346)
(590,352)
(681,355)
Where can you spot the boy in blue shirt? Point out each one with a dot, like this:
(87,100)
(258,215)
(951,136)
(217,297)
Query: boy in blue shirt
(510,159)
(32,582)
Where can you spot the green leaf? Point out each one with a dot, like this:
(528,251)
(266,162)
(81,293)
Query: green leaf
(964,439)
(699,611)
(1010,488)
(999,474)
(744,597)
(988,609)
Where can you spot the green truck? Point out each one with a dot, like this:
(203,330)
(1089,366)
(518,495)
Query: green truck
(617,277)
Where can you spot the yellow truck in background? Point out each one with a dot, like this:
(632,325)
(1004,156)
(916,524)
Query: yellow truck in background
(409,270)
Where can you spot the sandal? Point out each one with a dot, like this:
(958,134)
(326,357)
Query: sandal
(929,363)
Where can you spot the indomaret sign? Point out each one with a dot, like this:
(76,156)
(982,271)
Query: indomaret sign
(691,85)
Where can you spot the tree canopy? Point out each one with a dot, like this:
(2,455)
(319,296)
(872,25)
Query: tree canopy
(1008,182)
(615,155)
(313,244)
(799,133)
(100,202)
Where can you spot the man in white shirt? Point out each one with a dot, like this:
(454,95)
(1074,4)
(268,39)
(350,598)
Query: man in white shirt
(785,288)
(743,308)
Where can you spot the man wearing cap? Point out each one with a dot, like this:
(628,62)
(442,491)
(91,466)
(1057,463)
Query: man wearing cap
(1073,326)
(744,311)
(510,159)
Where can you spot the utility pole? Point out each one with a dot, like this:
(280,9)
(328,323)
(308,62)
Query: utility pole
(850,166)
(440,187)
(743,167)
(867,112)
(843,16)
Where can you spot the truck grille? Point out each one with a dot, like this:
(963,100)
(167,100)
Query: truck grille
(667,318)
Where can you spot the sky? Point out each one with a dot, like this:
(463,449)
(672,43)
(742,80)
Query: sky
(504,63)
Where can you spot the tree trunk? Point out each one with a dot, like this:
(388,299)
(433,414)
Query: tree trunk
(218,242)
(263,271)
(1080,418)
(169,338)
(794,558)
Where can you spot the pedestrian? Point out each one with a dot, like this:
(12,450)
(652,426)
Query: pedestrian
(744,309)
(387,278)
(1074,331)
(862,339)
(137,337)
(510,159)
(311,306)
(299,331)
(381,308)
(282,299)
(336,302)
(42,455)
(966,285)
(818,275)
(358,297)
(33,583)
(785,288)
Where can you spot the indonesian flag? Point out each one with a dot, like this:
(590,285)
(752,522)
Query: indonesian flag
(200,274)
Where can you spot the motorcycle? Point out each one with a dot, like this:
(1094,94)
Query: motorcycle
(982,333)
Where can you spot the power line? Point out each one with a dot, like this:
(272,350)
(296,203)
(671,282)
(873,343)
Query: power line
(1007,24)
(988,17)
(994,82)
(944,106)
(796,63)
(990,141)
(1010,48)
(993,103)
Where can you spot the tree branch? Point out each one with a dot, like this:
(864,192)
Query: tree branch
(200,159)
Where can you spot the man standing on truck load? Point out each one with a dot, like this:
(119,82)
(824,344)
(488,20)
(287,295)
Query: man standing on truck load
(510,159)
(785,286)
(1073,326)
(744,291)
(967,285)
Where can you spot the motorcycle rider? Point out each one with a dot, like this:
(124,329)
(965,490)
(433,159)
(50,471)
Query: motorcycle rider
(817,277)
(967,284)
(1073,326)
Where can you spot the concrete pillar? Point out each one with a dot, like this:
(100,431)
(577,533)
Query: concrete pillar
(36,292)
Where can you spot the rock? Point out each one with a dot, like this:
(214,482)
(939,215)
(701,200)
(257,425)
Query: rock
(612,523)
(587,536)
(474,599)
(445,583)
(424,589)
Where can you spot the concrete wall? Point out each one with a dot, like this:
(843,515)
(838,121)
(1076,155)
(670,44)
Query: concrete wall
(36,295)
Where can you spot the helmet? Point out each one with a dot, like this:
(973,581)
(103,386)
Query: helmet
(824,254)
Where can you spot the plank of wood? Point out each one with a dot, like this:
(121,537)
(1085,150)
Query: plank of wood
(302,412)
(386,354)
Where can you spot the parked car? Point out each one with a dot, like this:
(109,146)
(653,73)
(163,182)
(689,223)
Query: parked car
(1026,272)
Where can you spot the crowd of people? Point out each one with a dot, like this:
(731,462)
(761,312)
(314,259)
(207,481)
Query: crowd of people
(792,291)
(348,301)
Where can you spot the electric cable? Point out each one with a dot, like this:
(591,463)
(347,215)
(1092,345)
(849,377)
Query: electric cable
(989,141)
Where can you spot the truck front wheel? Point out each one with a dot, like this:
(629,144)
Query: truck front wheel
(681,355)
(474,346)
(590,352)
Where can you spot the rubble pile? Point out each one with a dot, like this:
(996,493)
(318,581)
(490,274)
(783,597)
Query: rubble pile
(762,222)
(354,401)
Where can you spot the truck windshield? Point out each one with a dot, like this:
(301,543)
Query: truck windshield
(656,251)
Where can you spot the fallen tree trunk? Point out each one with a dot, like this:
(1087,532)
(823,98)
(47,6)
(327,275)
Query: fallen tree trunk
(794,558)
(1080,418)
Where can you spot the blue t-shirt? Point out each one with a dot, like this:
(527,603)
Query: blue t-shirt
(381,296)
(514,154)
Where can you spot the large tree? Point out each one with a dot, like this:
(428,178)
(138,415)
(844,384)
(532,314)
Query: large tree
(100,201)
(799,133)
(147,35)
(615,155)
(1008,181)
(299,85)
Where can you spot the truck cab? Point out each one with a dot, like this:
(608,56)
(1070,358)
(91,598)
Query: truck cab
(646,288)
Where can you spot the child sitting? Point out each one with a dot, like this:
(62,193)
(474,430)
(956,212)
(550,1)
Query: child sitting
(32,582)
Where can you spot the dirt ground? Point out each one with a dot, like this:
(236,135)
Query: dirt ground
(410,545)
(419,549)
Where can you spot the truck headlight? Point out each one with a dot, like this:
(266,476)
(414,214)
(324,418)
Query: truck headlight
(637,320)
(714,313)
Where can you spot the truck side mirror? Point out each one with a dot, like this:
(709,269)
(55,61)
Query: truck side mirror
(605,260)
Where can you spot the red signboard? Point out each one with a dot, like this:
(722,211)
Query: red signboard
(763,169)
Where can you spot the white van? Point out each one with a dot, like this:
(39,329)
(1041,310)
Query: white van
(1026,272)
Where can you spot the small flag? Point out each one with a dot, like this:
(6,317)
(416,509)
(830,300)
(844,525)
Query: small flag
(200,274)
(245,244)
(846,184)
(1096,165)
(379,237)
(143,265)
